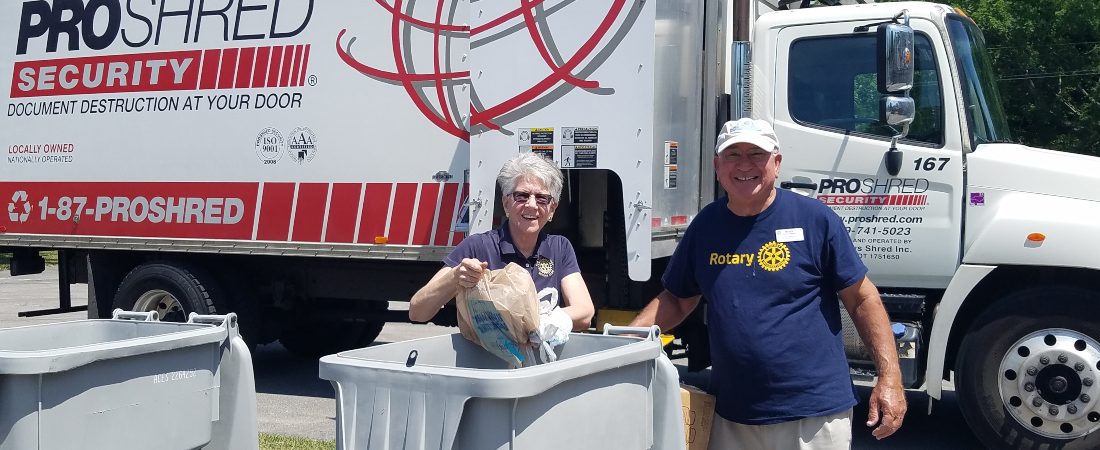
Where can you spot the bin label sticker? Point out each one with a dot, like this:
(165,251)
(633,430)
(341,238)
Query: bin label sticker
(173,376)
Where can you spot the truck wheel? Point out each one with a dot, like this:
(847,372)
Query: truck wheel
(1029,371)
(319,338)
(172,290)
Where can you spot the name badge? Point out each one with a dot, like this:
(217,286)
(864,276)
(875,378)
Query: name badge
(789,235)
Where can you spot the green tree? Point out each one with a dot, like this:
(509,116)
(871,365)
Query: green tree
(1047,55)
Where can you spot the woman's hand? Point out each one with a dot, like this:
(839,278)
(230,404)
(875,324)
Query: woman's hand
(468,272)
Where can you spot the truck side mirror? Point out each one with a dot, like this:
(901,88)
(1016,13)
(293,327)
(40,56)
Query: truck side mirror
(895,57)
(896,111)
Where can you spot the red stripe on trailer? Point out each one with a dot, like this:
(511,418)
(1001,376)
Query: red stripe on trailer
(457,237)
(343,207)
(244,67)
(297,73)
(142,209)
(678,220)
(259,73)
(275,212)
(309,212)
(228,71)
(376,206)
(305,64)
(288,65)
(210,60)
(274,66)
(401,215)
(425,214)
(446,214)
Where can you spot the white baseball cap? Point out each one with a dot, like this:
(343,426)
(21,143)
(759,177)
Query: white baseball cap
(749,131)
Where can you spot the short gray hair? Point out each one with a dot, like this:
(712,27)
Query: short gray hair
(530,165)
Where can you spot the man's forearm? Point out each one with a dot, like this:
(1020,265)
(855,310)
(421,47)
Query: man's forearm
(864,305)
(873,324)
(666,311)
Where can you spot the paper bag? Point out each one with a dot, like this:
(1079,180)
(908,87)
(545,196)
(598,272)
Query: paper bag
(500,312)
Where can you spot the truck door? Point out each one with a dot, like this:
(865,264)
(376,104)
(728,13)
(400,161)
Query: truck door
(906,227)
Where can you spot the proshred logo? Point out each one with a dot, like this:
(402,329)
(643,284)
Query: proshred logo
(99,23)
(76,25)
(874,192)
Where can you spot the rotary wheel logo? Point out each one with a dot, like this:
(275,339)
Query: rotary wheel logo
(773,256)
(545,266)
(19,210)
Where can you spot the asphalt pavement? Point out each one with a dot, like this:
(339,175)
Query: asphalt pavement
(292,400)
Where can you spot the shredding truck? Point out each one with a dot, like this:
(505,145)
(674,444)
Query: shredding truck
(306,163)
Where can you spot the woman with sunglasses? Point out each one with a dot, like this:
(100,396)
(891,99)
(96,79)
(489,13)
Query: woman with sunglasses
(531,187)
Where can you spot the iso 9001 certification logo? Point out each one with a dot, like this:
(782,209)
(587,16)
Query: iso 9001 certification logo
(270,145)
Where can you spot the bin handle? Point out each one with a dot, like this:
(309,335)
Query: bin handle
(213,319)
(651,333)
(148,316)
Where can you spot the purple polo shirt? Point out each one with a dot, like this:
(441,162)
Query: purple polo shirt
(553,260)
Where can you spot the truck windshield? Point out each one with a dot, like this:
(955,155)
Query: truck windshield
(979,85)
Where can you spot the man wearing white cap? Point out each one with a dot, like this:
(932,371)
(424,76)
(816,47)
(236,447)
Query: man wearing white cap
(771,264)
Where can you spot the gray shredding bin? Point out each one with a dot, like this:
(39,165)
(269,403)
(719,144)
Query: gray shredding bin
(127,384)
(446,393)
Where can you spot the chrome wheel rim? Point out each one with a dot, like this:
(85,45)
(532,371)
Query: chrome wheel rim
(167,306)
(1048,383)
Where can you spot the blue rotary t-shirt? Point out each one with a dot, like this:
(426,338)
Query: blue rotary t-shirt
(770,283)
(554,259)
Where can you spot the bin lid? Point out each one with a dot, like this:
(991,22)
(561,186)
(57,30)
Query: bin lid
(58,347)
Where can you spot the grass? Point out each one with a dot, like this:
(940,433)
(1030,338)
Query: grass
(278,442)
(50,257)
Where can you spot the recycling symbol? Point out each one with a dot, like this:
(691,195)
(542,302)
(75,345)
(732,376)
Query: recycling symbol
(19,210)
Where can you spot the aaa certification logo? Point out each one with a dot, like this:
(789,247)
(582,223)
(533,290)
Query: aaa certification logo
(303,145)
(270,145)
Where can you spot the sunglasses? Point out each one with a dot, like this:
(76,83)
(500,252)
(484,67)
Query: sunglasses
(540,199)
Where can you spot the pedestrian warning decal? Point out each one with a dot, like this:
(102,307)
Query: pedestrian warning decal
(578,156)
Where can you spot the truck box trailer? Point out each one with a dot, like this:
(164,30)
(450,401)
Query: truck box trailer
(313,161)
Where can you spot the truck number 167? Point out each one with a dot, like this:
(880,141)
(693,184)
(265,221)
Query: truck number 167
(930,164)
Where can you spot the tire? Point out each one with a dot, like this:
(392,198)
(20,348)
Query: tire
(1005,390)
(173,290)
(314,339)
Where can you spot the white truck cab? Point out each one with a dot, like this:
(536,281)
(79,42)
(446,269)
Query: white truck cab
(983,245)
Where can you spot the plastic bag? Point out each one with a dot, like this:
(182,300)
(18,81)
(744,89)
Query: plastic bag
(500,312)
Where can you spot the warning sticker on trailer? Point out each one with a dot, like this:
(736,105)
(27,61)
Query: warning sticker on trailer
(578,156)
(672,150)
(536,136)
(580,135)
(545,151)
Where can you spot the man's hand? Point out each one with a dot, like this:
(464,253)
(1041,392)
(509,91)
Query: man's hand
(887,408)
(469,272)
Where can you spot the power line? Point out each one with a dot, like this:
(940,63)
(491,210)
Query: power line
(1044,46)
(1079,73)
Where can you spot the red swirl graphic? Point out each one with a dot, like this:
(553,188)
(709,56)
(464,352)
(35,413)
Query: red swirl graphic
(413,83)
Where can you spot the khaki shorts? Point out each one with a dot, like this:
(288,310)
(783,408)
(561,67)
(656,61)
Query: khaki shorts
(812,433)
